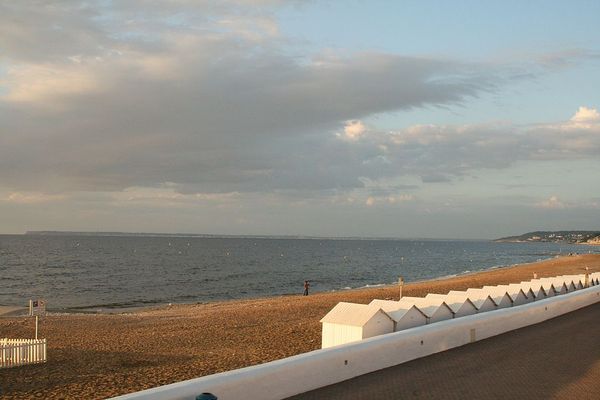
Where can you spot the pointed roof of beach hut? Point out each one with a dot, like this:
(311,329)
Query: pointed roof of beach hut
(513,291)
(559,284)
(578,280)
(535,287)
(547,285)
(395,309)
(477,296)
(429,306)
(527,291)
(456,303)
(352,314)
(497,294)
(570,282)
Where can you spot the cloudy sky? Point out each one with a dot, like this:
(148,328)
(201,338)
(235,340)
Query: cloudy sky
(431,119)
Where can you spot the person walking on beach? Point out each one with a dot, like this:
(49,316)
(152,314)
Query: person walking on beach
(306,286)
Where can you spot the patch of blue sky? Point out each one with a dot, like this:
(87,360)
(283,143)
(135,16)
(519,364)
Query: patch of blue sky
(463,29)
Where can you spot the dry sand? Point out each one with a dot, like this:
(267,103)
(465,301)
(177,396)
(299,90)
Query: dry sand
(98,356)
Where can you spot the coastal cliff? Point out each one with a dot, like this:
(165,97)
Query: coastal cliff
(570,237)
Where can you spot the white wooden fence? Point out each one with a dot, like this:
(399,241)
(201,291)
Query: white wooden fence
(16,352)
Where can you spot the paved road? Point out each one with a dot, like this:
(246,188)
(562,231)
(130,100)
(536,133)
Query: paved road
(557,359)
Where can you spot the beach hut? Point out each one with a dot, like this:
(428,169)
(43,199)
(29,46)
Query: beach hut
(570,281)
(547,285)
(480,299)
(536,288)
(517,296)
(591,280)
(500,297)
(559,285)
(578,281)
(460,306)
(435,309)
(403,317)
(349,322)
(529,295)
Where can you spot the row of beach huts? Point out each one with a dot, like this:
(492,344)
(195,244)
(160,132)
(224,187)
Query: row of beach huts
(349,322)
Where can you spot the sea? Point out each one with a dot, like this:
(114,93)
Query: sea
(83,273)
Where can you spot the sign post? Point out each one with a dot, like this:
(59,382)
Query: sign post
(401,284)
(37,308)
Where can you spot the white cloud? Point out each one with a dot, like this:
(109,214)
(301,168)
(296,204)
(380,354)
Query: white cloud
(585,114)
(354,130)
(552,203)
(31,197)
(46,82)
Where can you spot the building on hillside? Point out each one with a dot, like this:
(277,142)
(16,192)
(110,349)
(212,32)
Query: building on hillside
(404,317)
(349,322)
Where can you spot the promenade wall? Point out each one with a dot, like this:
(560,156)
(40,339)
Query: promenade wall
(298,374)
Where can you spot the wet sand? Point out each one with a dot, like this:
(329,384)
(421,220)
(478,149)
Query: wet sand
(99,355)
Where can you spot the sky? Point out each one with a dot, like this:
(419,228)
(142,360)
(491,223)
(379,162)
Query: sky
(409,119)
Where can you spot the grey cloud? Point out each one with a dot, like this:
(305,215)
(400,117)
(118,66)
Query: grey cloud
(435,178)
(441,153)
(205,109)
(209,110)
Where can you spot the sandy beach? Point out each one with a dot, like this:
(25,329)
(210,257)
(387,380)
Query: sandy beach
(101,355)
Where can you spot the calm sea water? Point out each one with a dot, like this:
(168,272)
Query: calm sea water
(99,272)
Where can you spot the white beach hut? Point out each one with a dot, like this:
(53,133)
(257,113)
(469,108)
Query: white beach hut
(536,288)
(461,306)
(595,278)
(435,309)
(517,296)
(570,282)
(349,322)
(500,297)
(480,299)
(578,281)
(404,318)
(547,285)
(560,287)
(529,295)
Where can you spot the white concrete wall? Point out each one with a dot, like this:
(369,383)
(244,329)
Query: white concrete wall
(298,374)
(335,334)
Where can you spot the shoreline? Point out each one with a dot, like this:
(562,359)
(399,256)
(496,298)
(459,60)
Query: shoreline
(133,309)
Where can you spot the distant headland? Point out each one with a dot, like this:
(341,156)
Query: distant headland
(570,237)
